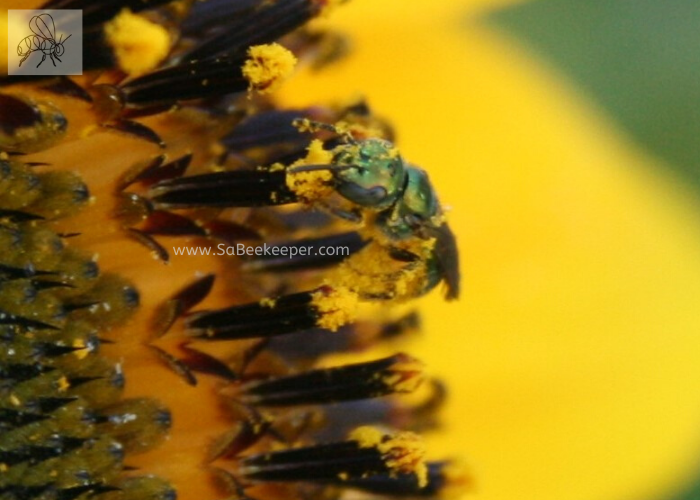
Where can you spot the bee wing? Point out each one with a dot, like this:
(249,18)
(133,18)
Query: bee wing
(447,259)
(43,26)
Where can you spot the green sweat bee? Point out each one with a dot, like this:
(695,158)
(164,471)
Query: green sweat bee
(372,176)
(361,180)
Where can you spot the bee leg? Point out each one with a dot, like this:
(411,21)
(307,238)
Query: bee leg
(308,253)
(390,290)
(43,58)
(402,255)
(347,215)
(306,125)
(25,57)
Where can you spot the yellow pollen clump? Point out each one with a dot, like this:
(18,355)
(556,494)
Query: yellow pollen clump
(405,376)
(267,67)
(139,45)
(276,167)
(310,186)
(335,308)
(268,302)
(406,451)
(403,452)
(361,131)
(366,437)
(80,349)
(374,271)
(428,245)
(316,155)
(304,125)
(63,384)
(439,219)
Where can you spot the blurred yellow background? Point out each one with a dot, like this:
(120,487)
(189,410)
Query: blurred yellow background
(573,354)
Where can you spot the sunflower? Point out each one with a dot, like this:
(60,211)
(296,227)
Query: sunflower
(572,355)
(140,359)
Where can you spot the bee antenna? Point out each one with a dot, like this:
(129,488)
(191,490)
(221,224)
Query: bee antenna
(304,124)
(316,168)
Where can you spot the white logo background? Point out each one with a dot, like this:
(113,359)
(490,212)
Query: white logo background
(42,38)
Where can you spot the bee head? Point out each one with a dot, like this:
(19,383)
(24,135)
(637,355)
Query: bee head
(370,173)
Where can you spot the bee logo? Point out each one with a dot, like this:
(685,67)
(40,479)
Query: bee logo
(42,40)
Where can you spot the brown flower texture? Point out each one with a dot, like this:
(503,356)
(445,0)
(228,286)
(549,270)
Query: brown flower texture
(140,358)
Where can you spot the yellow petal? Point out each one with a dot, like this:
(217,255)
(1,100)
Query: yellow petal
(573,354)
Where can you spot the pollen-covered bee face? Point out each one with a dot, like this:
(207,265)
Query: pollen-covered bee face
(375,173)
